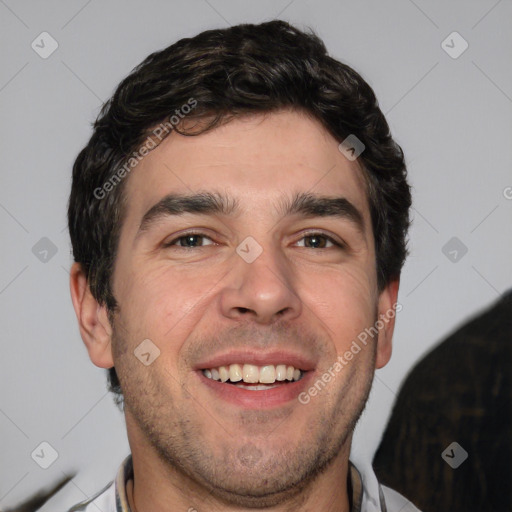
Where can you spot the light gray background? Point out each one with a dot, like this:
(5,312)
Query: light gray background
(453,117)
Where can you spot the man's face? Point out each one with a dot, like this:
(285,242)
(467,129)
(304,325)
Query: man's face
(263,283)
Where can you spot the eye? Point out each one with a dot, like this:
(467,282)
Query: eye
(317,241)
(190,241)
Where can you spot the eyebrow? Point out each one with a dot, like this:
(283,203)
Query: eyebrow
(215,203)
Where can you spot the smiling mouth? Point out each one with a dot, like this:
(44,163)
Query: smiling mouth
(253,377)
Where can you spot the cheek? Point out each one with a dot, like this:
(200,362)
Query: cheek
(345,301)
(163,299)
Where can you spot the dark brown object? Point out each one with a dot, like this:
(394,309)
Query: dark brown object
(40,498)
(461,391)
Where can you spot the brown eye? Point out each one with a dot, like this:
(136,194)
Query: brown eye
(190,241)
(317,241)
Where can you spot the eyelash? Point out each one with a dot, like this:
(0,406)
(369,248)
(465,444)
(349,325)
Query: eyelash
(172,242)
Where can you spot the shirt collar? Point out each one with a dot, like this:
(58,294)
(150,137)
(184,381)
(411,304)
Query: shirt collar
(124,474)
(355,488)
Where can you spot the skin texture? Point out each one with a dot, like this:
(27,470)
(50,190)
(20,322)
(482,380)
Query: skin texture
(190,447)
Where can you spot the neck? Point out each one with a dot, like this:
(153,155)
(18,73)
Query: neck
(158,487)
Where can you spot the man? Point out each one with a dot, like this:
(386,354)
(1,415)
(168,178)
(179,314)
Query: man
(238,222)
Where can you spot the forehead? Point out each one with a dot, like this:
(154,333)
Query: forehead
(261,158)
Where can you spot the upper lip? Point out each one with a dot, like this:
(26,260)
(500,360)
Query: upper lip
(263,358)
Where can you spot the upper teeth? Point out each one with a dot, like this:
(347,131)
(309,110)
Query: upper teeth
(251,373)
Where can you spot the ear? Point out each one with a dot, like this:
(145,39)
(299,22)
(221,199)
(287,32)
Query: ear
(92,319)
(387,310)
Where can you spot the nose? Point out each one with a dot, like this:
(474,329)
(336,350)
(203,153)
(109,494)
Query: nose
(262,291)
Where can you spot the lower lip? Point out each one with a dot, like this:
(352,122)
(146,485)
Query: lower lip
(263,399)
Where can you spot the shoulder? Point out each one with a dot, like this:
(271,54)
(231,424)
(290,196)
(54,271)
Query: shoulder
(104,500)
(369,495)
(395,502)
